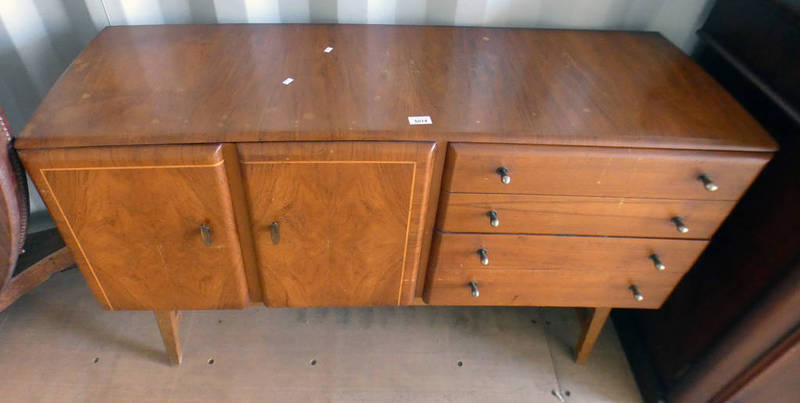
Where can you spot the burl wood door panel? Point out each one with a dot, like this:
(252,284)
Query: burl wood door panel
(349,220)
(132,217)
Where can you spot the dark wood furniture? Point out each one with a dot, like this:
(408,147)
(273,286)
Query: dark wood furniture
(20,272)
(741,297)
(186,172)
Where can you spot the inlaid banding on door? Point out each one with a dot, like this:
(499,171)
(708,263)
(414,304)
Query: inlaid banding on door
(349,216)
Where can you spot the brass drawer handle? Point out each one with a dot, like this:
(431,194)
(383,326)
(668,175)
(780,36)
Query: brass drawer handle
(657,262)
(493,220)
(679,225)
(474,286)
(636,294)
(205,233)
(484,255)
(708,183)
(504,175)
(275,232)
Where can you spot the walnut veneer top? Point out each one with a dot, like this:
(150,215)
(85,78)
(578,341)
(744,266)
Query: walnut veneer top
(219,83)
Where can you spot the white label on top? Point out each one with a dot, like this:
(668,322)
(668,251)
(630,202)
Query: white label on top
(288,81)
(328,49)
(420,120)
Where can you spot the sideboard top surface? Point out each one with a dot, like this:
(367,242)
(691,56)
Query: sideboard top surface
(223,83)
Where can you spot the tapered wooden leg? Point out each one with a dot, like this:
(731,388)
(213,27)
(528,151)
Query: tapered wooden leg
(592,325)
(168,325)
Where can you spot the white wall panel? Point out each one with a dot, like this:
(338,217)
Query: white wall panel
(411,12)
(470,12)
(381,11)
(141,12)
(256,11)
(351,11)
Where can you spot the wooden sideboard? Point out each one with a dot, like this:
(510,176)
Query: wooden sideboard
(559,168)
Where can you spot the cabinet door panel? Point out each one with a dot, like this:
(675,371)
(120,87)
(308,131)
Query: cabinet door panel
(132,216)
(347,220)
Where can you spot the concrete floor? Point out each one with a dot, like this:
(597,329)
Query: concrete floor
(59,345)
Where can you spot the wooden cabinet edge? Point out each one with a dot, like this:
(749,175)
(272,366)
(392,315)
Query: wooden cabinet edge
(430,218)
(242,216)
(427,213)
(31,160)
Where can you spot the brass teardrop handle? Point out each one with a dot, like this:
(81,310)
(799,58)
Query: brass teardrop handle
(474,286)
(205,233)
(493,220)
(657,262)
(680,225)
(505,177)
(636,294)
(484,255)
(708,183)
(275,232)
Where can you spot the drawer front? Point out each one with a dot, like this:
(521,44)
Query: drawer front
(580,215)
(563,253)
(595,171)
(550,288)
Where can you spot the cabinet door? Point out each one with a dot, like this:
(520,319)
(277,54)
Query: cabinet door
(150,227)
(337,223)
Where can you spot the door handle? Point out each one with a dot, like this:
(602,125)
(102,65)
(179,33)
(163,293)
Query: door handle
(205,233)
(275,232)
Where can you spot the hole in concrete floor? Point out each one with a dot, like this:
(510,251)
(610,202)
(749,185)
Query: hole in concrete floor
(96,360)
(219,321)
(210,361)
(459,363)
(566,392)
(313,362)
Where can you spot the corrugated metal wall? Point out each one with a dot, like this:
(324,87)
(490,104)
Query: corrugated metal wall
(39,38)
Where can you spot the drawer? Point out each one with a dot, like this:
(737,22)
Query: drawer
(550,288)
(598,171)
(563,253)
(580,215)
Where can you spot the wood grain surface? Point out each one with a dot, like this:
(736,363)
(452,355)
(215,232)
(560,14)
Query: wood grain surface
(349,217)
(240,211)
(168,323)
(565,253)
(222,83)
(34,275)
(132,218)
(510,287)
(579,215)
(589,333)
(594,171)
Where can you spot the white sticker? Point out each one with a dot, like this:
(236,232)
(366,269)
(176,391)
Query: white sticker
(328,49)
(420,120)
(288,81)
